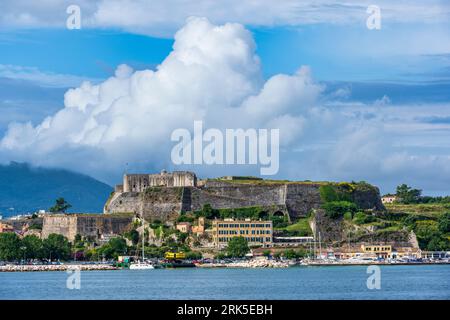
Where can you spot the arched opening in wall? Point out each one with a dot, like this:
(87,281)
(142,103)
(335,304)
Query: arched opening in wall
(278,214)
(264,215)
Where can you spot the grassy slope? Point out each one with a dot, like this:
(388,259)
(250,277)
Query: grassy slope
(432,211)
(299,228)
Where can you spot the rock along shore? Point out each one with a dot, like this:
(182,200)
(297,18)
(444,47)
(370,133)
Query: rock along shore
(61,267)
(247,264)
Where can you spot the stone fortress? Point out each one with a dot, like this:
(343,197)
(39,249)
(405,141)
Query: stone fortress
(140,182)
(164,196)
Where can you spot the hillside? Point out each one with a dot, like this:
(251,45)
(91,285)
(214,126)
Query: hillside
(399,223)
(27,189)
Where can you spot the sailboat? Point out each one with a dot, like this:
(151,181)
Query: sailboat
(142,265)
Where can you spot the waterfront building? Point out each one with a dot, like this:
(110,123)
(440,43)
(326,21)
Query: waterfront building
(183,227)
(380,251)
(292,241)
(384,251)
(256,232)
(388,198)
(6,228)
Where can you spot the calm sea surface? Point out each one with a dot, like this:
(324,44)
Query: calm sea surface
(336,282)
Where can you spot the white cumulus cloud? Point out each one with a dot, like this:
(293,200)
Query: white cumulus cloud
(212,74)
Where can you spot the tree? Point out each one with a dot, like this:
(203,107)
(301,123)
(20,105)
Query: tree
(266,253)
(328,193)
(438,243)
(61,206)
(133,236)
(9,246)
(208,212)
(407,195)
(33,247)
(336,209)
(444,222)
(114,248)
(290,254)
(237,247)
(56,246)
(193,255)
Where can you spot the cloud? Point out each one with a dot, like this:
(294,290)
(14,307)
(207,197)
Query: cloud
(163,18)
(43,79)
(384,101)
(212,74)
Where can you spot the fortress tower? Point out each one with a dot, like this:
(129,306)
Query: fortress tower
(139,182)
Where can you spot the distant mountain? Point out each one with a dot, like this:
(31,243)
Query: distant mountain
(24,188)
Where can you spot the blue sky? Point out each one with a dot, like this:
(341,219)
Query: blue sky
(394,81)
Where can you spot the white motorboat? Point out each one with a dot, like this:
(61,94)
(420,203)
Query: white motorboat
(141,266)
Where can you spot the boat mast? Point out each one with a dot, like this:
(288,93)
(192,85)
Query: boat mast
(320,247)
(143,235)
(314,256)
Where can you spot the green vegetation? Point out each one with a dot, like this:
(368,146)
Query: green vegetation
(294,254)
(300,228)
(337,198)
(254,213)
(250,180)
(61,206)
(31,247)
(133,236)
(237,247)
(426,210)
(57,247)
(114,248)
(407,195)
(35,226)
(9,246)
(363,218)
(337,209)
(430,222)
(444,223)
(343,191)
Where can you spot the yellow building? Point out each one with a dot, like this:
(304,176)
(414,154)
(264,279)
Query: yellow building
(184,227)
(382,251)
(6,228)
(255,231)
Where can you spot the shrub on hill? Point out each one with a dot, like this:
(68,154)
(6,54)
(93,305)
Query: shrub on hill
(336,209)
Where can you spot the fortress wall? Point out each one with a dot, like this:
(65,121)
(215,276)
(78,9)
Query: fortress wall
(161,203)
(235,196)
(136,182)
(60,224)
(297,199)
(69,225)
(156,203)
(301,199)
(94,226)
(124,202)
(368,198)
